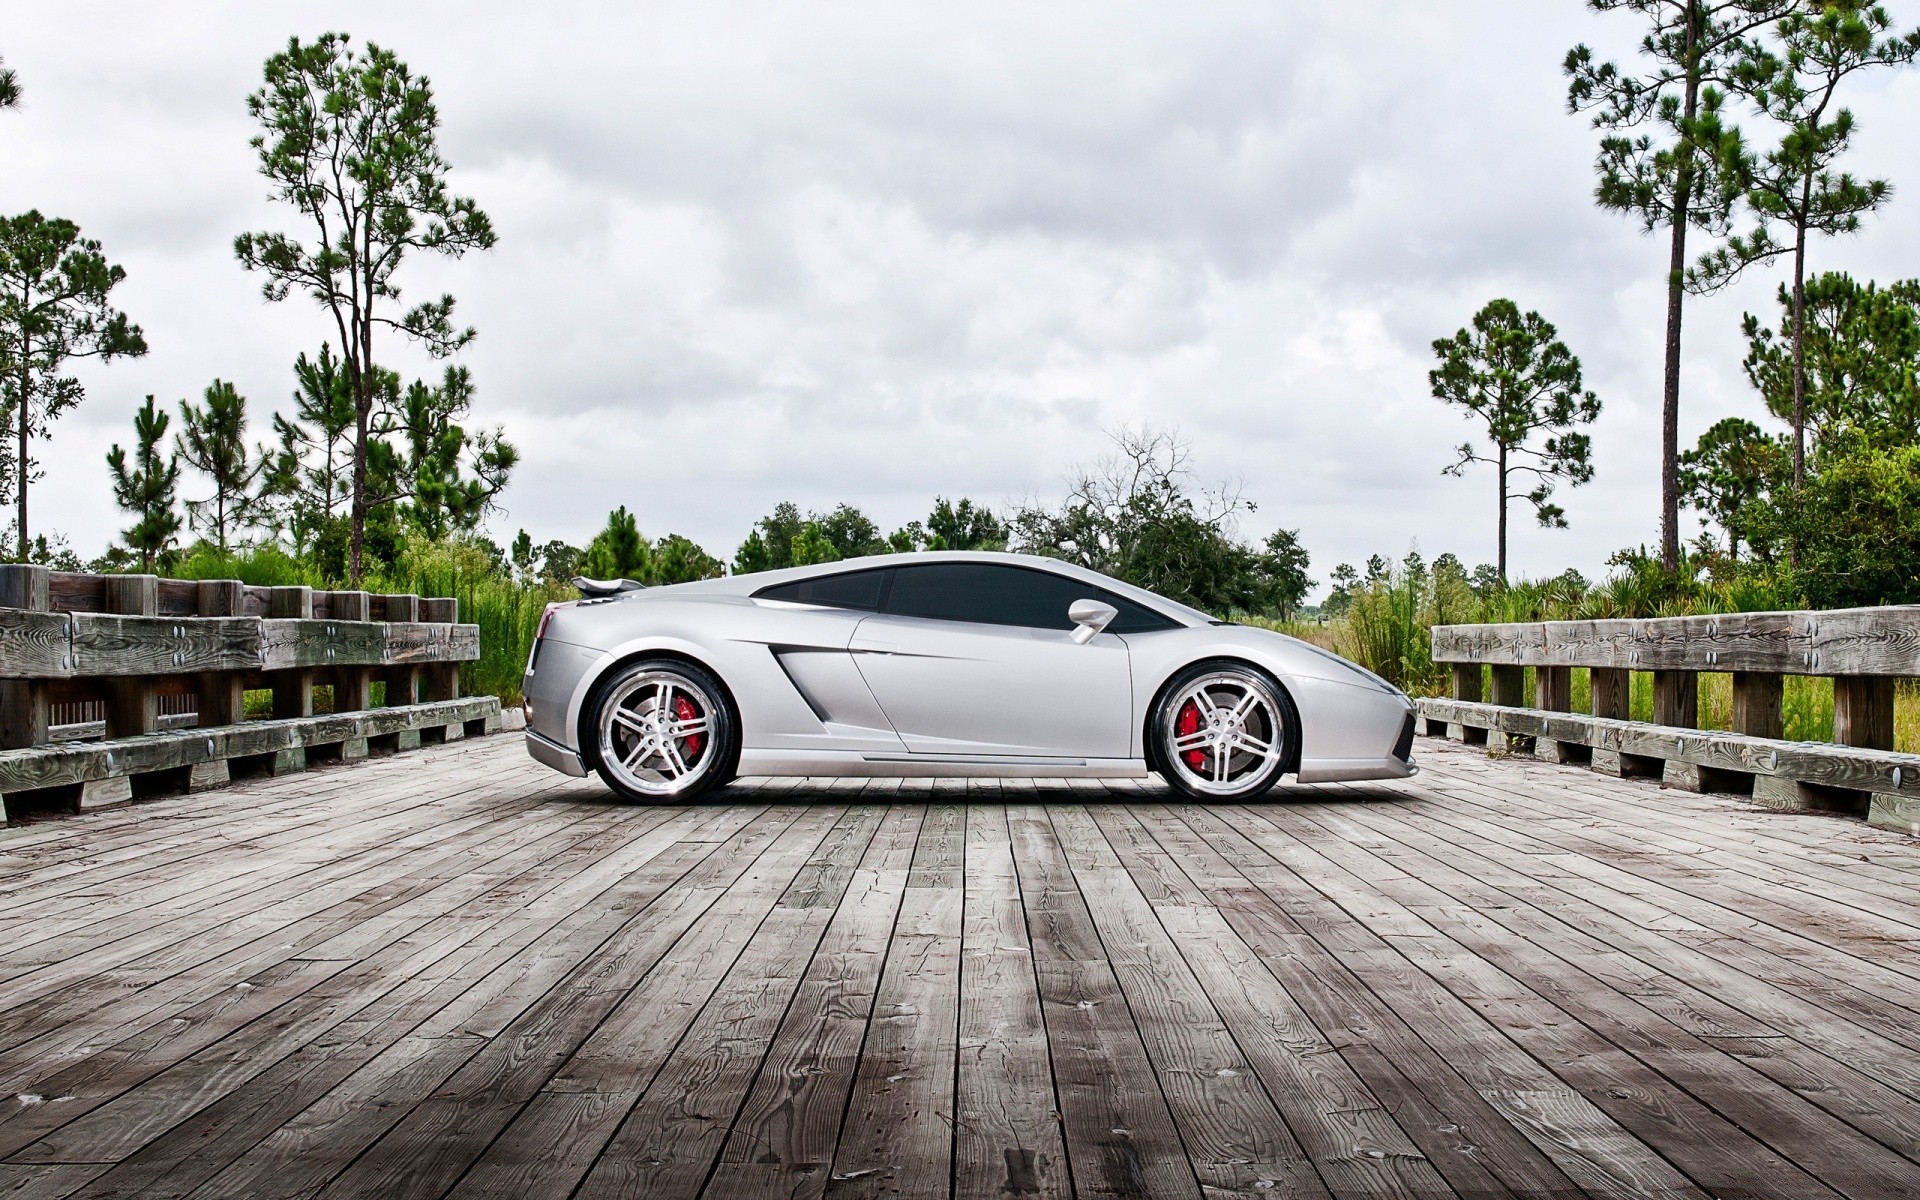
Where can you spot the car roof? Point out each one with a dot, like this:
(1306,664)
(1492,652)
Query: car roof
(746,585)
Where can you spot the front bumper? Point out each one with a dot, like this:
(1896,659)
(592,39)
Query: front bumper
(551,753)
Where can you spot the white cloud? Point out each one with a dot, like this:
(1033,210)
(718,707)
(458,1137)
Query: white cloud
(875,252)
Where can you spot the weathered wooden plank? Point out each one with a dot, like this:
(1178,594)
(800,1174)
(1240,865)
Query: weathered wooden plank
(1857,641)
(897,1137)
(1844,767)
(78,762)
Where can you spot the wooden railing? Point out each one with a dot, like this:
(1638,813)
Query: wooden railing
(139,655)
(1864,651)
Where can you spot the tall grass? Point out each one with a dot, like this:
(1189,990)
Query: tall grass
(507,611)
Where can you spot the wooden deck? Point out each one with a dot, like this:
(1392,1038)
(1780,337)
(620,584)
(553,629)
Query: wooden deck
(456,974)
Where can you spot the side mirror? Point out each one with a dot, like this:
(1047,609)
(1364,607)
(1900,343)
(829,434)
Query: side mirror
(1089,617)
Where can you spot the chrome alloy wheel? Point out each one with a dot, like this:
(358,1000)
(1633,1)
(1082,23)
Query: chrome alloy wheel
(657,733)
(1226,736)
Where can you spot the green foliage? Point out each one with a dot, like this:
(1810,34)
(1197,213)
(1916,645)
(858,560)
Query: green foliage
(308,486)
(620,550)
(1728,473)
(146,487)
(1136,515)
(812,545)
(1796,185)
(9,86)
(1664,156)
(1794,79)
(350,141)
(213,441)
(785,538)
(1862,360)
(1513,373)
(677,559)
(964,526)
(418,457)
(54,309)
(1856,523)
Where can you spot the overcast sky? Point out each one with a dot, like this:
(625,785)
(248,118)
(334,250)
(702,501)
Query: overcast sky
(874,253)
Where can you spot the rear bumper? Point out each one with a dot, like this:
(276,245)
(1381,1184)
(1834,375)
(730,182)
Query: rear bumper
(551,753)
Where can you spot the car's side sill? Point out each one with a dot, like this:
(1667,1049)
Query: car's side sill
(828,763)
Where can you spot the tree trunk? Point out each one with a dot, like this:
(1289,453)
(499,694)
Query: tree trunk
(355,570)
(1676,299)
(1800,358)
(1503,516)
(20,463)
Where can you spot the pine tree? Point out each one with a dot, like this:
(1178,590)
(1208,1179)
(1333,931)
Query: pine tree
(1670,179)
(213,441)
(1513,373)
(146,488)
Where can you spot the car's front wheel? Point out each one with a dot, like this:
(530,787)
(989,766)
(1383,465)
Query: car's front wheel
(663,731)
(1223,731)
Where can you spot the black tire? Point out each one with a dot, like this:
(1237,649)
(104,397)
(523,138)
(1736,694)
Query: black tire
(1195,769)
(644,759)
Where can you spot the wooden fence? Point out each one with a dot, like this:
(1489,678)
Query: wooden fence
(1864,651)
(148,665)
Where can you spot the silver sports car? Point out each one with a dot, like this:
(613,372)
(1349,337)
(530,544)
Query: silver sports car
(942,664)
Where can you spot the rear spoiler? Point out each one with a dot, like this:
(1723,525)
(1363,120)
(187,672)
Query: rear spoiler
(595,589)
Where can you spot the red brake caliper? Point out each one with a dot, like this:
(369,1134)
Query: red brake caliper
(1188,722)
(683,710)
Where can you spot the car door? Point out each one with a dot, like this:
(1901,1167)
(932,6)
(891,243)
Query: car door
(978,660)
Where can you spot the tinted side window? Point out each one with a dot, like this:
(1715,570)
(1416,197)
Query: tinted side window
(856,589)
(993,595)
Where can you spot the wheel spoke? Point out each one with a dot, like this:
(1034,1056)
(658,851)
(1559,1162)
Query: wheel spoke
(629,720)
(687,728)
(1205,702)
(1242,740)
(634,759)
(1244,708)
(1220,765)
(670,754)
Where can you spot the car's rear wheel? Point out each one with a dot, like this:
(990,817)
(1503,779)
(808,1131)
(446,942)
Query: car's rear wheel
(1223,731)
(663,731)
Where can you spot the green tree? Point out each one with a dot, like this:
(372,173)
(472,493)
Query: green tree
(54,309)
(964,526)
(1137,515)
(1727,473)
(1670,178)
(351,142)
(813,545)
(1857,526)
(678,560)
(850,532)
(1858,360)
(213,441)
(620,550)
(309,482)
(769,545)
(1796,185)
(145,487)
(420,458)
(9,86)
(1512,373)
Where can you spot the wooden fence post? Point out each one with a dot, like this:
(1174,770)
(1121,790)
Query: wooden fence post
(133,702)
(292,689)
(443,679)
(23,702)
(352,686)
(1863,711)
(221,694)
(1676,699)
(1611,692)
(1467,679)
(1757,703)
(403,682)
